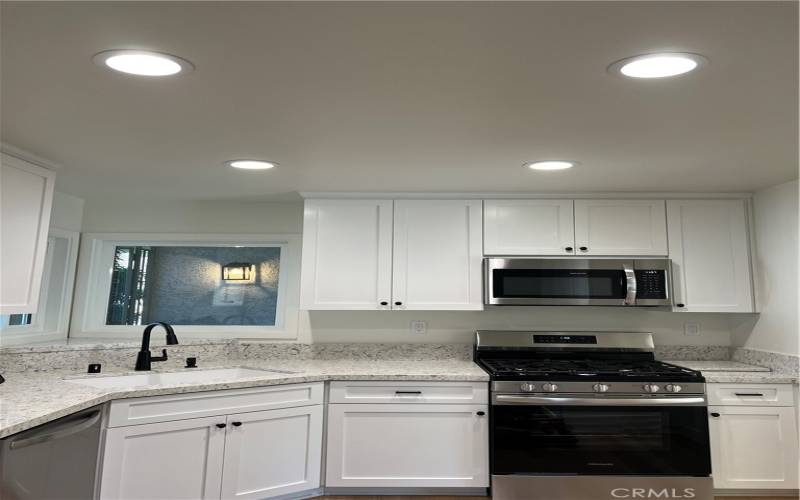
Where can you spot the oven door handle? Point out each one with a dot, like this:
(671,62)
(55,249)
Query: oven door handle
(630,285)
(510,399)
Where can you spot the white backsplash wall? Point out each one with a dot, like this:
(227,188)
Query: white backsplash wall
(459,326)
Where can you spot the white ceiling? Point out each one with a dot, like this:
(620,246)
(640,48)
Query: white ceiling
(408,96)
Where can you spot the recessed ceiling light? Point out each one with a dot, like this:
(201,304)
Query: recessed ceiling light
(142,62)
(658,65)
(251,164)
(550,165)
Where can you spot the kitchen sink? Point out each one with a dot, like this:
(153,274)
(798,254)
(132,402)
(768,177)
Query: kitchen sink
(173,378)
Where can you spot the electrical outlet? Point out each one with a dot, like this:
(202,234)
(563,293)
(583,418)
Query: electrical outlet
(419,327)
(691,329)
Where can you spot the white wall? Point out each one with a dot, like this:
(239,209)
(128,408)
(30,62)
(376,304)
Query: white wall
(776,233)
(450,327)
(67,212)
(377,326)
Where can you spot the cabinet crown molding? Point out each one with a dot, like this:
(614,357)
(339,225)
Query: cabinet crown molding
(630,195)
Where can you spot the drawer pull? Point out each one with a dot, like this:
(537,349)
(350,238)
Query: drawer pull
(408,392)
(753,394)
(715,415)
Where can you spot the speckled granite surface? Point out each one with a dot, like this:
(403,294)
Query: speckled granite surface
(33,398)
(693,352)
(776,361)
(736,372)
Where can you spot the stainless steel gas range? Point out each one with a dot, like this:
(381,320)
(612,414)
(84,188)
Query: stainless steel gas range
(592,416)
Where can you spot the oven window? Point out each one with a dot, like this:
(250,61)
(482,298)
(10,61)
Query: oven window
(559,283)
(600,440)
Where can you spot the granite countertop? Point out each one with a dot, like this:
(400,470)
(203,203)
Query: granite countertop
(736,372)
(29,399)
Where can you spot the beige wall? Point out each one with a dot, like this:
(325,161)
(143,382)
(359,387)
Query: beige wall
(776,227)
(111,216)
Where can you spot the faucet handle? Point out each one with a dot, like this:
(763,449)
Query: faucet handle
(163,356)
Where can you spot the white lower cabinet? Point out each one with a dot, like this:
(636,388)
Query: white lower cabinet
(167,460)
(271,453)
(753,446)
(407,445)
(247,455)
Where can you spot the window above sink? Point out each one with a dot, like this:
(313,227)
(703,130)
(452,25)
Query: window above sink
(207,286)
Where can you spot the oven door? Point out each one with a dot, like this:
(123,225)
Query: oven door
(654,436)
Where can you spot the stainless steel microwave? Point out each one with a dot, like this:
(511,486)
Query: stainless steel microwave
(577,282)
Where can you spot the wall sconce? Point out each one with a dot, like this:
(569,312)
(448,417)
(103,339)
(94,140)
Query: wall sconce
(237,271)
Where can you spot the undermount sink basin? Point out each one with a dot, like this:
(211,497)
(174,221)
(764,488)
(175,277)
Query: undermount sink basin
(171,378)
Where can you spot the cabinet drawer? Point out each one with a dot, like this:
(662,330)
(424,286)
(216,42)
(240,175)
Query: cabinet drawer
(410,392)
(750,394)
(203,404)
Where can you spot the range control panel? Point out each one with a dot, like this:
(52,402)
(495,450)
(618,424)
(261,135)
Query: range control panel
(564,339)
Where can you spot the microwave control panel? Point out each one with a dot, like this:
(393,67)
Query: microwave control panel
(651,284)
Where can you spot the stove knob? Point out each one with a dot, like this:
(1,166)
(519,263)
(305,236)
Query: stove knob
(600,387)
(650,388)
(550,387)
(673,388)
(528,387)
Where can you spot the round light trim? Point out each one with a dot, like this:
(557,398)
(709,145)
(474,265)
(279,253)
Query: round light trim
(660,65)
(142,62)
(550,165)
(252,164)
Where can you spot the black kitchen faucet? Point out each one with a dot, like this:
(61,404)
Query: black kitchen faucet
(144,358)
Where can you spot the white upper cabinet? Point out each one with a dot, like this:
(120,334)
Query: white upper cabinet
(26,198)
(347,254)
(620,227)
(384,254)
(710,252)
(528,227)
(437,255)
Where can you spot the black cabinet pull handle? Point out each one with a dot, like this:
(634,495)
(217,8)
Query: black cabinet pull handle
(680,305)
(715,415)
(408,392)
(754,394)
(236,424)
(398,303)
(568,249)
(583,249)
(221,426)
(384,303)
(481,413)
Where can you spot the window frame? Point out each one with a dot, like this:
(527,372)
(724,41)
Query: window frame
(94,282)
(37,330)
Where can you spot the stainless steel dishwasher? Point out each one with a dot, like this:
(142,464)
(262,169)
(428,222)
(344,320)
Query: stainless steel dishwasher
(54,461)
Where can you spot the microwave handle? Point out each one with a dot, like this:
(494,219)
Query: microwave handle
(630,285)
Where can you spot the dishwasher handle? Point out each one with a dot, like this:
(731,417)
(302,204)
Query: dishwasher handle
(61,432)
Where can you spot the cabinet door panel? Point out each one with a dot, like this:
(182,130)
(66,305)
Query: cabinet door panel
(165,461)
(753,447)
(272,453)
(374,445)
(710,252)
(528,227)
(620,227)
(347,254)
(437,255)
(26,197)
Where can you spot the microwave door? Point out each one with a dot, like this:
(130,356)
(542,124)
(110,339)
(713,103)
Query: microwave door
(607,282)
